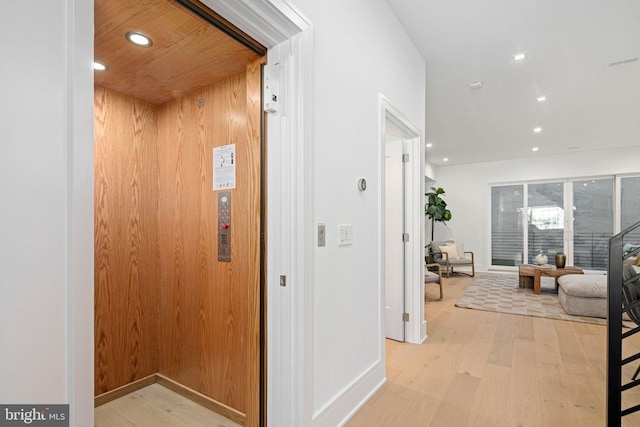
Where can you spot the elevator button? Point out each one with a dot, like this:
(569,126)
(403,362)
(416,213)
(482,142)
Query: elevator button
(224,225)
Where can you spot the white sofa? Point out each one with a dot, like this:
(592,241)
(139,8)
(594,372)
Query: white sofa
(583,294)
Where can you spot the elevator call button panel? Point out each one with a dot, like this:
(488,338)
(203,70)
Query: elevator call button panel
(224,226)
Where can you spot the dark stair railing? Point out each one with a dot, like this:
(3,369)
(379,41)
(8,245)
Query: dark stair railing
(615,336)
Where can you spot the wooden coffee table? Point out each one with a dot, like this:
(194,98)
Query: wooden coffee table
(530,275)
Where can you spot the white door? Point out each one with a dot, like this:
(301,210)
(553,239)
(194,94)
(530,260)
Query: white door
(394,245)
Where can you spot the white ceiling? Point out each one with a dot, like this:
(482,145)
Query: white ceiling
(569,46)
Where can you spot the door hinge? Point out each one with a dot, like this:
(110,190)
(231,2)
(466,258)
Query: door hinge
(405,158)
(405,317)
(405,237)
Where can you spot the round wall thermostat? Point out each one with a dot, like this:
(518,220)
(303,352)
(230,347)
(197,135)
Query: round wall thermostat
(362,184)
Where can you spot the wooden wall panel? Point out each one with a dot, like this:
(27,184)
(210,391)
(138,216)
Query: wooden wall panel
(204,337)
(126,268)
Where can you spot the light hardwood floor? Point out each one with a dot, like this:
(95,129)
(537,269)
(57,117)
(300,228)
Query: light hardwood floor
(488,369)
(157,406)
(476,369)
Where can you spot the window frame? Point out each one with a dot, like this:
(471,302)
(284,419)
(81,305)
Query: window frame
(568,183)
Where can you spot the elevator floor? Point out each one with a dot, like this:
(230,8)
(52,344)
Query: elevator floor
(157,406)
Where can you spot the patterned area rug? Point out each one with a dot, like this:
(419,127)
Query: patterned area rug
(500,292)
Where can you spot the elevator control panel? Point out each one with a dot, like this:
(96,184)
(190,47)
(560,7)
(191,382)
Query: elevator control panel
(224,226)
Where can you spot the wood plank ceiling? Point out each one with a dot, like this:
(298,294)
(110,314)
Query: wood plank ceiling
(187,52)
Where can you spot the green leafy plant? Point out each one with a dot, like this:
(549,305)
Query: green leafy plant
(436,207)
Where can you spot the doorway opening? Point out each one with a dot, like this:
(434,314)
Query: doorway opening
(178,213)
(403,232)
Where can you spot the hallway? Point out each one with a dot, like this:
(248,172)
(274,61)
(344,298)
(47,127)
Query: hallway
(482,369)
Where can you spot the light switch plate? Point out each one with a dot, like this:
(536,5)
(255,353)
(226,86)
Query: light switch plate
(322,235)
(346,234)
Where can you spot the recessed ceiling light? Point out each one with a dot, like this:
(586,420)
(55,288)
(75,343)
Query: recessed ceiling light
(519,56)
(541,98)
(535,149)
(537,130)
(429,145)
(446,159)
(99,66)
(476,85)
(139,39)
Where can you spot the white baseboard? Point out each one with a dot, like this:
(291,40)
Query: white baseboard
(346,403)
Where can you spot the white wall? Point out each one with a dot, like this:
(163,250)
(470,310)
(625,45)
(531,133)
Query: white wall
(46,213)
(360,51)
(429,172)
(468,188)
(33,182)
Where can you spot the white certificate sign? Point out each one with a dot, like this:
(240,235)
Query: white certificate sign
(224,167)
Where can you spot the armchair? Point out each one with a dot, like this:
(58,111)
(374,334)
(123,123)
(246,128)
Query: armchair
(448,254)
(433,276)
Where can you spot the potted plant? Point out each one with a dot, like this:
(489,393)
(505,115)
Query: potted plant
(436,207)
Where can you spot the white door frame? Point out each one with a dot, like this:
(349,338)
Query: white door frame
(288,36)
(416,327)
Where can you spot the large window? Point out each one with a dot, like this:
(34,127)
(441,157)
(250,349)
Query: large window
(630,210)
(546,219)
(576,217)
(592,222)
(506,225)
